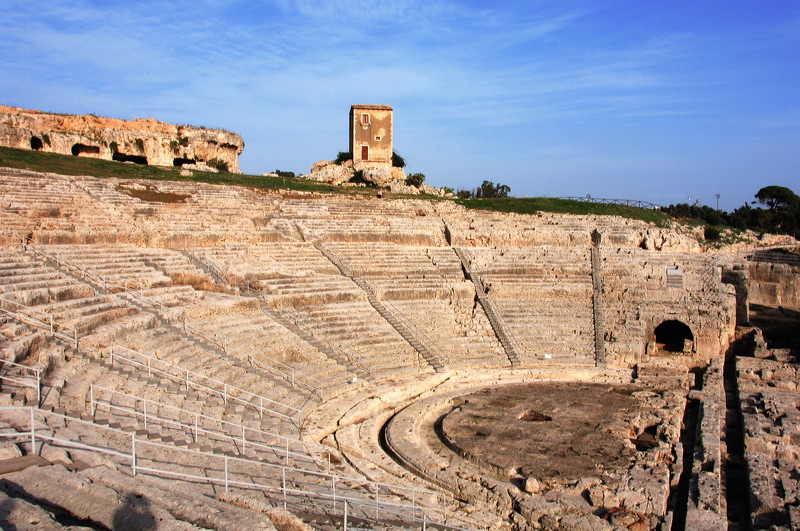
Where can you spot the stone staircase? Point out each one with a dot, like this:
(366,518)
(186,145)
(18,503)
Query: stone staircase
(401,326)
(597,307)
(358,370)
(498,325)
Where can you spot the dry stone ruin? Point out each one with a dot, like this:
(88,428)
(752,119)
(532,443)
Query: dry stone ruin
(141,141)
(200,355)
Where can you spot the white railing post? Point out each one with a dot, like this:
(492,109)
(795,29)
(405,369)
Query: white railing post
(261,407)
(345,515)
(33,434)
(377,504)
(225,394)
(226,473)
(283,487)
(244,440)
(333,491)
(196,434)
(144,402)
(133,452)
(38,389)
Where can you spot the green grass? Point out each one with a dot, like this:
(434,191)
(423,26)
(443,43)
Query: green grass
(71,165)
(532,205)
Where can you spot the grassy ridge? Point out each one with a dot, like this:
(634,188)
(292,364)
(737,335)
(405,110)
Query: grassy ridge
(531,205)
(70,165)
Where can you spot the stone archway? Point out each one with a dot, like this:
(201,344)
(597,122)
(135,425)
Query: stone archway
(673,336)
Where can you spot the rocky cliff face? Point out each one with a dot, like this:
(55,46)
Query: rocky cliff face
(143,141)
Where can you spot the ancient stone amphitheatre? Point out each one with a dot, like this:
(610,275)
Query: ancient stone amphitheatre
(185,355)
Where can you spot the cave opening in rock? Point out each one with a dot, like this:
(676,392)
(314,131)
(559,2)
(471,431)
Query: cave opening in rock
(671,336)
(178,161)
(124,157)
(83,149)
(36,143)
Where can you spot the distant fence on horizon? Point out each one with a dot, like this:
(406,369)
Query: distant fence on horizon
(628,202)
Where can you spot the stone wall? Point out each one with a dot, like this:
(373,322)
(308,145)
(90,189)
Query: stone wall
(144,141)
(774,285)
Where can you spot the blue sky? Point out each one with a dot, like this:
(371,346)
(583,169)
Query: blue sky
(656,101)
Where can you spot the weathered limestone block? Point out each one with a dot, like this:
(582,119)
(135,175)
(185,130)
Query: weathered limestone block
(774,285)
(141,140)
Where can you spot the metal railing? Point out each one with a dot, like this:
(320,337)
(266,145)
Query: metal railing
(212,339)
(428,343)
(39,319)
(99,280)
(297,321)
(493,314)
(152,412)
(287,484)
(216,269)
(256,359)
(34,379)
(62,264)
(628,202)
(289,373)
(194,380)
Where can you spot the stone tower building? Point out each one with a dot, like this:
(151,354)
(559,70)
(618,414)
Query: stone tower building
(371,135)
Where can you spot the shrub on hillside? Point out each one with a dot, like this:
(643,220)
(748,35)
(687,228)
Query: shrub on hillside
(415,179)
(397,160)
(343,156)
(221,165)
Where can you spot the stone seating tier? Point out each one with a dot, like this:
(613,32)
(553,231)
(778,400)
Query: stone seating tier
(249,331)
(461,332)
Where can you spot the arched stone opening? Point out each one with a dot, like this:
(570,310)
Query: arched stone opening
(36,143)
(178,161)
(123,157)
(83,149)
(673,336)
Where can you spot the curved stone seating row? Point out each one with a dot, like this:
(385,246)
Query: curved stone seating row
(544,296)
(129,266)
(459,329)
(408,231)
(248,331)
(357,330)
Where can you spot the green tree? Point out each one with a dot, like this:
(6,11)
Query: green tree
(415,179)
(343,156)
(397,160)
(778,198)
(489,189)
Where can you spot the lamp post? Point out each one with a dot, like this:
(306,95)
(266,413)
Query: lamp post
(717,201)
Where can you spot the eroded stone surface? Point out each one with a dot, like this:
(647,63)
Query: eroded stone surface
(549,430)
(140,140)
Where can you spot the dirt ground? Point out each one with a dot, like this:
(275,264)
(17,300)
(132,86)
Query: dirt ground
(544,430)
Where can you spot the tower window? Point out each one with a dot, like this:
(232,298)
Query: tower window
(365,119)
